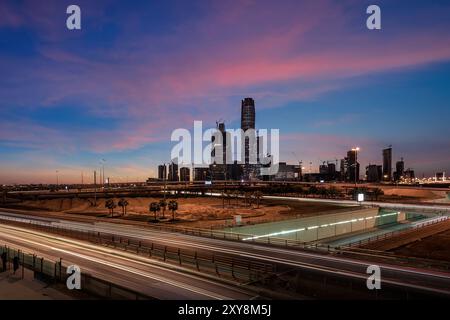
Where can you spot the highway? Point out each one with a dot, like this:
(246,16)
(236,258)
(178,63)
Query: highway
(328,264)
(422,208)
(153,278)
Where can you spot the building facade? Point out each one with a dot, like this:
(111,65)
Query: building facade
(185,174)
(162,172)
(173,172)
(387,164)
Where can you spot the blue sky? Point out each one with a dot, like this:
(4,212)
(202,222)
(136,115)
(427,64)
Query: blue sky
(116,89)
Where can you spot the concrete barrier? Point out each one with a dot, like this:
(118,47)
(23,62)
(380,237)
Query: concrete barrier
(323,226)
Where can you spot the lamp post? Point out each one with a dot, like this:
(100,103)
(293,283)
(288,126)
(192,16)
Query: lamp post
(57,178)
(165,180)
(102,172)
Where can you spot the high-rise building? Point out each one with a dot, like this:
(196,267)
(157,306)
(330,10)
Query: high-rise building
(162,172)
(409,175)
(352,166)
(219,146)
(399,170)
(373,173)
(201,174)
(387,164)
(247,114)
(173,172)
(344,169)
(185,174)
(250,142)
(218,166)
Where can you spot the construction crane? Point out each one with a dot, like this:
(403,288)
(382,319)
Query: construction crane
(300,168)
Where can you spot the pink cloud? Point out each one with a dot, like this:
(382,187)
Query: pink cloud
(206,63)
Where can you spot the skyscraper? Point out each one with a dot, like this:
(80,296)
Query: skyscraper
(218,166)
(373,173)
(387,164)
(162,172)
(248,122)
(185,174)
(173,172)
(399,169)
(352,166)
(219,146)
(248,114)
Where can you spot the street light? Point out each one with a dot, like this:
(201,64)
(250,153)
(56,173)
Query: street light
(102,163)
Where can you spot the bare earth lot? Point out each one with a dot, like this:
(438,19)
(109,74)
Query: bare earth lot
(435,247)
(200,212)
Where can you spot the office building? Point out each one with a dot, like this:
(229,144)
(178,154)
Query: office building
(162,172)
(387,164)
(352,170)
(173,172)
(374,173)
(185,174)
(219,152)
(202,174)
(247,114)
(286,172)
(399,170)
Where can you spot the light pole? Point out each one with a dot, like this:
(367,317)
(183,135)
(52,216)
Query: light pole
(356,163)
(102,172)
(165,180)
(57,178)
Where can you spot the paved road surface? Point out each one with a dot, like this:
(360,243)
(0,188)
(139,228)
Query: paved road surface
(154,278)
(328,264)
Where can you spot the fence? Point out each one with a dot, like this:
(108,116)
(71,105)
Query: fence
(394,233)
(56,272)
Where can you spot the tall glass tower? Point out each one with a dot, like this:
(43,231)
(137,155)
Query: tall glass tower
(248,114)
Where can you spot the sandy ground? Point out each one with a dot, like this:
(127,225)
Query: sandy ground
(434,247)
(201,212)
(414,193)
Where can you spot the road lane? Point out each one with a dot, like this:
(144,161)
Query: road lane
(144,275)
(305,260)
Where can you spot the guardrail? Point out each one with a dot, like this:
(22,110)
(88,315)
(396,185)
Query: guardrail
(56,272)
(240,269)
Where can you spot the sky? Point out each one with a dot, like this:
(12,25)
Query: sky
(137,70)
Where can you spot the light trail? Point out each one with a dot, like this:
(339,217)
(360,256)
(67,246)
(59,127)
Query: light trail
(273,234)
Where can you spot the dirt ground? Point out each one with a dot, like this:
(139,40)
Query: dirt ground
(199,212)
(435,247)
(418,194)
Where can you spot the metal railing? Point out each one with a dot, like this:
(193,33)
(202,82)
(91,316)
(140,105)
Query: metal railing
(56,272)
(240,269)
(391,234)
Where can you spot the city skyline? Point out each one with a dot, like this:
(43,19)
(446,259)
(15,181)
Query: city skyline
(117,88)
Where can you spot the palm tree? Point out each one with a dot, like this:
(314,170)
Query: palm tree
(258,195)
(154,207)
(173,206)
(110,204)
(333,192)
(377,192)
(313,190)
(229,195)
(123,203)
(163,205)
(223,199)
